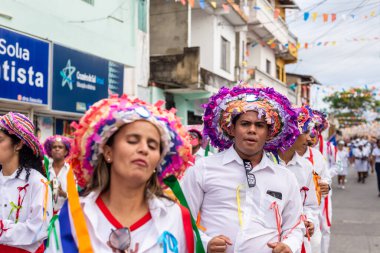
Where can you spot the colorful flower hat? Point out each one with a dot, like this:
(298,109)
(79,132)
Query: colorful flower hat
(106,116)
(320,121)
(224,106)
(21,126)
(48,144)
(304,119)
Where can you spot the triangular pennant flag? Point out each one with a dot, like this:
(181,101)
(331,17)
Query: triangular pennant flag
(287,45)
(191,3)
(273,45)
(325,17)
(344,16)
(333,43)
(298,45)
(183,2)
(226,8)
(276,13)
(373,13)
(256,8)
(319,43)
(333,17)
(306,16)
(326,43)
(306,45)
(353,16)
(213,4)
(270,41)
(202,4)
(314,16)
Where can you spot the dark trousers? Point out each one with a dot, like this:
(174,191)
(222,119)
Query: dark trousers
(377,167)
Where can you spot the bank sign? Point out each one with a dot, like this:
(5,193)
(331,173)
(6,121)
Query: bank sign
(80,79)
(24,68)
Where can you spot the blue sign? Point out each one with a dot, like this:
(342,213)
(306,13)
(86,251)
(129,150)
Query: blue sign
(24,68)
(81,79)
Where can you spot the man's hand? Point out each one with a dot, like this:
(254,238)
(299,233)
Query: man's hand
(218,244)
(279,247)
(310,227)
(324,188)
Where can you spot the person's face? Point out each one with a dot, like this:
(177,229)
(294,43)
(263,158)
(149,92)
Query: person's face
(58,151)
(135,152)
(340,147)
(7,149)
(302,142)
(250,133)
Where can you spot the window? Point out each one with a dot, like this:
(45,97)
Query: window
(268,70)
(92,2)
(225,55)
(142,17)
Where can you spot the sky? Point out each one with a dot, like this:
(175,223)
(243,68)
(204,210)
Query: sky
(348,63)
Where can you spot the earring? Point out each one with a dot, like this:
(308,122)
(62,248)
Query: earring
(154,171)
(108,159)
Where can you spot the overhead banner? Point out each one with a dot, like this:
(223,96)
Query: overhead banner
(81,79)
(24,68)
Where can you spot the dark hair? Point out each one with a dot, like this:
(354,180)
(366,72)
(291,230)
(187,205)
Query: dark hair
(101,177)
(27,159)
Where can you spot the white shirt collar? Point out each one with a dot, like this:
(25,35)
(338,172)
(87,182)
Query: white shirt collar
(295,159)
(231,155)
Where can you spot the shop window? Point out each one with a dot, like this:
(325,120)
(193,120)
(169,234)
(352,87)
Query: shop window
(225,55)
(142,15)
(193,119)
(92,2)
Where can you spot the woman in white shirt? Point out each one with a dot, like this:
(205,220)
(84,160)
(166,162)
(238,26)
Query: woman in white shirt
(57,147)
(343,163)
(25,206)
(122,150)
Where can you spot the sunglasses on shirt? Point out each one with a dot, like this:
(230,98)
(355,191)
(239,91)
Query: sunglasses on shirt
(120,239)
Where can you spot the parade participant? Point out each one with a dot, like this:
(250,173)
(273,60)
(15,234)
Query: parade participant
(376,156)
(122,149)
(361,155)
(25,206)
(57,148)
(247,202)
(303,170)
(343,158)
(324,161)
(196,143)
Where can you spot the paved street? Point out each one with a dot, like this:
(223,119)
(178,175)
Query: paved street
(356,217)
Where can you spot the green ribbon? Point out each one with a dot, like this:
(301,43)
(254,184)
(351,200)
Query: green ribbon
(50,228)
(14,207)
(173,184)
(207,150)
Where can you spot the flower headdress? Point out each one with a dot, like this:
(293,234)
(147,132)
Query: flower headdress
(21,126)
(106,116)
(275,108)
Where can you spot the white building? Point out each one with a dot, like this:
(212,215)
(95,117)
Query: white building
(113,31)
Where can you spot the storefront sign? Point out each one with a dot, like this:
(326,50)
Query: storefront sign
(24,68)
(80,79)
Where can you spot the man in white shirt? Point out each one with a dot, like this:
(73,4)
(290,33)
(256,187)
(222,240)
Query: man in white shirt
(303,170)
(247,202)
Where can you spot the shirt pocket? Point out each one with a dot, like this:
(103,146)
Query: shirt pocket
(271,211)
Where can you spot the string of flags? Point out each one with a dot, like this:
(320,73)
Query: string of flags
(307,16)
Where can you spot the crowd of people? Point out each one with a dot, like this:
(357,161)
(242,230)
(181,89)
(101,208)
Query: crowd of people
(134,179)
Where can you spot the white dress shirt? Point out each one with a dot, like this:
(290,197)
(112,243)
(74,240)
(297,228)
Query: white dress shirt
(303,170)
(376,154)
(319,164)
(30,230)
(59,180)
(217,187)
(166,216)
